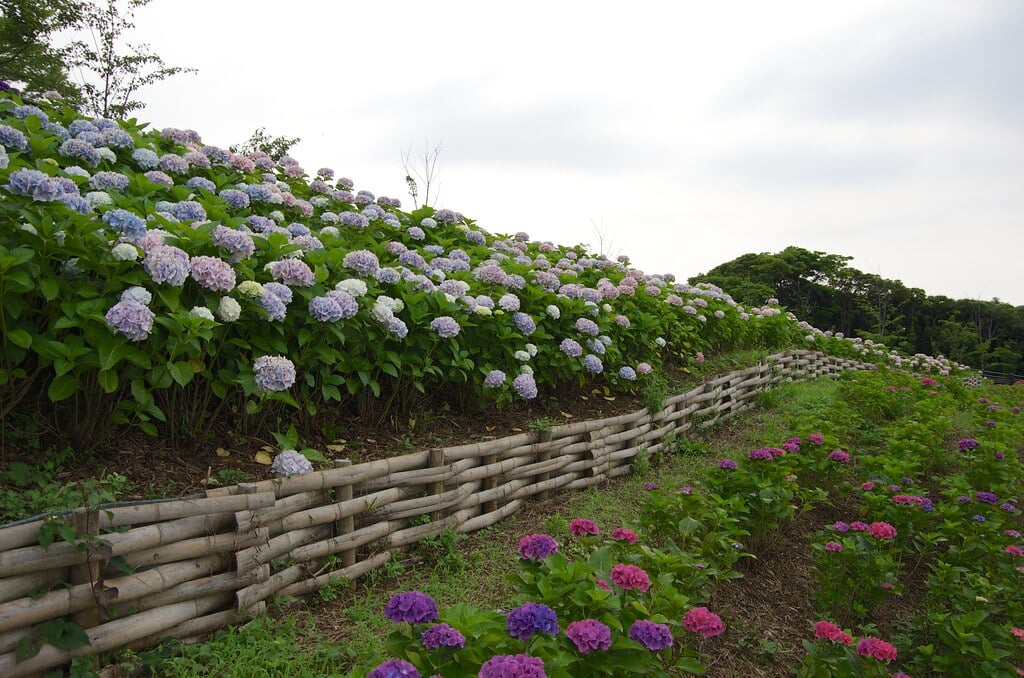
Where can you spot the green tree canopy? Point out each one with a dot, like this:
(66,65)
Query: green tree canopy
(27,57)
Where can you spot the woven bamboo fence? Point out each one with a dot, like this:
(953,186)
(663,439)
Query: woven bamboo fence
(136,574)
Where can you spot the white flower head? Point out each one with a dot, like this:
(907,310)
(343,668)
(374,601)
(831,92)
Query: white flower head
(125,251)
(354,286)
(250,288)
(228,310)
(202,312)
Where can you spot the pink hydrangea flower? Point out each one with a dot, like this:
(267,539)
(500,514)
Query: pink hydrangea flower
(828,630)
(583,526)
(622,534)
(706,623)
(876,648)
(629,577)
(881,530)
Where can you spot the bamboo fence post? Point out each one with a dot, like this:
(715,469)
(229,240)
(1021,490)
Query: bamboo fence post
(86,522)
(250,520)
(544,455)
(489,483)
(346,525)
(436,461)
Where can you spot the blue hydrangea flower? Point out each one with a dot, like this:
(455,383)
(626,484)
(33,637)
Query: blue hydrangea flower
(102,181)
(525,386)
(189,210)
(125,222)
(593,364)
(445,326)
(235,198)
(13,138)
(203,183)
(273,373)
(75,148)
(34,184)
(524,323)
(131,318)
(626,372)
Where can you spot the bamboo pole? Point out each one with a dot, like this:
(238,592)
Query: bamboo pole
(349,573)
(64,554)
(86,524)
(62,602)
(13,588)
(225,582)
(228,542)
(110,636)
(347,524)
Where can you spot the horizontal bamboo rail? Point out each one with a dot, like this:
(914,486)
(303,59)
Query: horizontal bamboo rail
(200,563)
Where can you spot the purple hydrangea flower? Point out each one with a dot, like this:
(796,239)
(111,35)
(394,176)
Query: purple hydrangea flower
(290,463)
(512,666)
(34,184)
(531,618)
(727,464)
(445,326)
(363,262)
(212,273)
(102,181)
(524,323)
(761,454)
(274,373)
(525,386)
(238,243)
(968,444)
(442,635)
(203,183)
(167,264)
(235,198)
(839,456)
(587,326)
(75,148)
(175,164)
(537,546)
(987,497)
(394,668)
(593,364)
(494,379)
(292,272)
(15,139)
(626,372)
(131,318)
(188,210)
(411,606)
(651,635)
(571,348)
(589,635)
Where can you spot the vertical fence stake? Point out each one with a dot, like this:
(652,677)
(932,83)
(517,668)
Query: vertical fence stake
(347,524)
(436,462)
(488,483)
(86,523)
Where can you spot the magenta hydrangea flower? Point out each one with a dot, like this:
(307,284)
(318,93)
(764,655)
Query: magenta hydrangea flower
(828,630)
(706,623)
(816,439)
(834,547)
(411,606)
(537,546)
(881,530)
(442,635)
(876,648)
(622,534)
(394,668)
(651,635)
(512,666)
(589,635)
(839,456)
(531,618)
(583,526)
(628,577)
(760,454)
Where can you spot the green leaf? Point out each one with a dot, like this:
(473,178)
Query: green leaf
(182,372)
(691,665)
(107,380)
(50,288)
(62,387)
(20,337)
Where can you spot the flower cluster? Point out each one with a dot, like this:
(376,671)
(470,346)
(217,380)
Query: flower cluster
(411,606)
(537,546)
(702,621)
(531,618)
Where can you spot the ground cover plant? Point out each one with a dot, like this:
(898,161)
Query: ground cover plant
(912,560)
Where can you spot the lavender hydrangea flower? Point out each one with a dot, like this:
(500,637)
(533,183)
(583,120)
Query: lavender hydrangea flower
(290,463)
(589,635)
(202,183)
(525,386)
(189,210)
(212,273)
(325,309)
(158,177)
(292,272)
(593,364)
(175,164)
(727,464)
(130,318)
(445,326)
(411,606)
(394,668)
(273,373)
(626,372)
(442,635)
(531,618)
(275,307)
(235,198)
(494,379)
(34,184)
(519,666)
(651,635)
(167,264)
(396,327)
(282,292)
(509,302)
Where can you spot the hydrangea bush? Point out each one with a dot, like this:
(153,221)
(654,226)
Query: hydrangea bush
(249,262)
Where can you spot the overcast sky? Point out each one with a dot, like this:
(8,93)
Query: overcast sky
(687,133)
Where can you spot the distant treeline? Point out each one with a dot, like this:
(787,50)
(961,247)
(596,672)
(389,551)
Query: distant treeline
(822,289)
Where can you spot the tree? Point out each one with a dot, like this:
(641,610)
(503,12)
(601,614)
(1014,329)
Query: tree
(112,71)
(261,142)
(26,55)
(426,168)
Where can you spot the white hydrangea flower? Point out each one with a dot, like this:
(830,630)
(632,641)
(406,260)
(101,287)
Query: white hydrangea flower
(531,349)
(229,310)
(250,288)
(525,369)
(98,198)
(427,222)
(139,294)
(202,312)
(381,311)
(553,312)
(522,356)
(125,251)
(450,298)
(482,310)
(106,154)
(329,230)
(354,286)
(607,308)
(395,305)
(277,215)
